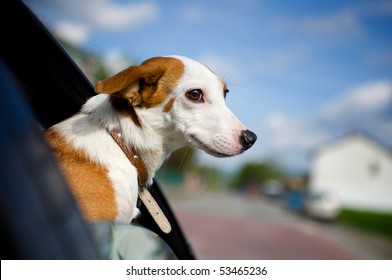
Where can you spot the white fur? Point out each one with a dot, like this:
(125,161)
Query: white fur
(209,125)
(211,122)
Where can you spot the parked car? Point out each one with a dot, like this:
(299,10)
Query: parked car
(273,189)
(40,86)
(322,205)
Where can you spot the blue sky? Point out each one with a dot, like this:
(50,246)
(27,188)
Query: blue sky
(300,73)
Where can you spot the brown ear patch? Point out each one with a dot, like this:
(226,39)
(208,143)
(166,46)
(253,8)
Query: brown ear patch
(147,85)
(119,81)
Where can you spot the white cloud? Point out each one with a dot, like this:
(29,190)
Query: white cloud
(84,16)
(367,108)
(344,23)
(376,8)
(361,102)
(115,61)
(224,67)
(193,13)
(72,32)
(289,133)
(280,61)
(340,24)
(113,17)
(379,58)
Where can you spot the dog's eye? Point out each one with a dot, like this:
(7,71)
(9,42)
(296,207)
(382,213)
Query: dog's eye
(195,95)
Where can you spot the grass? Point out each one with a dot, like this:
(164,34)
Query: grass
(376,222)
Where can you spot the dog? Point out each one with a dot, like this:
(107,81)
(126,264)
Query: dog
(155,108)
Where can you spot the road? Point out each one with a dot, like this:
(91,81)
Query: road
(222,226)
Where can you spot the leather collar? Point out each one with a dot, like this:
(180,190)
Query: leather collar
(133,156)
(145,196)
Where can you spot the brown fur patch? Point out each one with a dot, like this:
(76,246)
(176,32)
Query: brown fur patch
(168,105)
(147,85)
(88,180)
(123,107)
(154,95)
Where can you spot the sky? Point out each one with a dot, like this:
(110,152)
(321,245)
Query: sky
(300,73)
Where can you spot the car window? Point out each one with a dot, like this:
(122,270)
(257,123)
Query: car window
(51,88)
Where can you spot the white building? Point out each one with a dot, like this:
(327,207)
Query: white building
(357,169)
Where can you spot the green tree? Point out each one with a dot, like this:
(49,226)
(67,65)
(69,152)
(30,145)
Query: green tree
(173,170)
(181,159)
(256,173)
(212,176)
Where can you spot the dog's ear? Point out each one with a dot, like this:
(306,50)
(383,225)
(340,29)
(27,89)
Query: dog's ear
(128,83)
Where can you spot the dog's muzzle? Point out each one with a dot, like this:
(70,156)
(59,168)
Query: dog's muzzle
(247,139)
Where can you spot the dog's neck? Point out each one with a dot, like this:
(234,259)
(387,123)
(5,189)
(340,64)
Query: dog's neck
(149,136)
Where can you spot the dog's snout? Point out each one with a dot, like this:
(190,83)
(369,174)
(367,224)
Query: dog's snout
(247,139)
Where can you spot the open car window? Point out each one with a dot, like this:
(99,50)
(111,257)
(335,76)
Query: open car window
(41,83)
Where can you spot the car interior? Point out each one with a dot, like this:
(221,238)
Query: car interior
(40,86)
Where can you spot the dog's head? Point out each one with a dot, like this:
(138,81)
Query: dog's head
(185,103)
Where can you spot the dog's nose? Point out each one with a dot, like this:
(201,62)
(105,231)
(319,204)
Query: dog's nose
(247,139)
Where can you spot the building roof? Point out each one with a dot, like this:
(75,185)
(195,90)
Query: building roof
(350,134)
